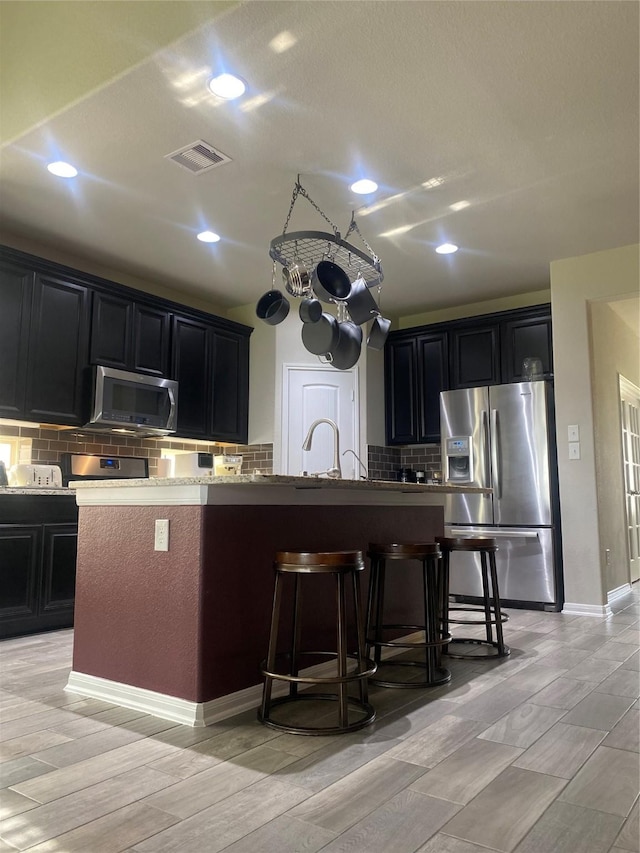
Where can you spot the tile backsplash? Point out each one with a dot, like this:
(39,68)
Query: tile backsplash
(47,443)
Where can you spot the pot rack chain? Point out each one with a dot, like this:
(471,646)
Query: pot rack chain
(300,190)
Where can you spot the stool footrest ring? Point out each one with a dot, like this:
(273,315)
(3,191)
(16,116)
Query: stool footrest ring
(442,676)
(364,707)
(371,667)
(497,653)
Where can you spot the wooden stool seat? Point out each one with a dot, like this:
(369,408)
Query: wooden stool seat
(429,555)
(342,565)
(491,611)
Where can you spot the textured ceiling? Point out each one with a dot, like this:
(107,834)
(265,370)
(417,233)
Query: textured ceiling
(527,111)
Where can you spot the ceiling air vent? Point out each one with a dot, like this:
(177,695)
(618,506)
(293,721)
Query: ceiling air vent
(198,157)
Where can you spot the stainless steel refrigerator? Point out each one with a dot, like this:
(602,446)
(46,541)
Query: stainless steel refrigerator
(503,437)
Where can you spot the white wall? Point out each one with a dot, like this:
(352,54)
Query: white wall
(605,275)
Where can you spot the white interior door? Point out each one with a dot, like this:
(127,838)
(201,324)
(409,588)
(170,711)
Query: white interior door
(310,393)
(630,419)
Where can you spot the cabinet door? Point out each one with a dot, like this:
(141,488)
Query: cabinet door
(475,356)
(230,403)
(57,351)
(524,337)
(111,331)
(151,340)
(191,367)
(401,388)
(20,551)
(15,307)
(433,377)
(57,591)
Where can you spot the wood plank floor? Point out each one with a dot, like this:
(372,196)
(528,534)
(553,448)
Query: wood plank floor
(538,753)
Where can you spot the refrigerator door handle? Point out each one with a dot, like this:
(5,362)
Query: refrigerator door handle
(493,533)
(495,454)
(485,447)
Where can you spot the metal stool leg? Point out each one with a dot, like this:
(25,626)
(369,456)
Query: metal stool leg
(503,650)
(273,642)
(295,634)
(379,611)
(343,713)
(428,622)
(488,616)
(364,687)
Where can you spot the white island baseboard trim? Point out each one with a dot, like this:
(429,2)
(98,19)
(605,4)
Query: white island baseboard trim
(601,610)
(183,711)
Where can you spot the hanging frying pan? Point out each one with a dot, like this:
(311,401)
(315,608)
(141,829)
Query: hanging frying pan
(347,350)
(330,282)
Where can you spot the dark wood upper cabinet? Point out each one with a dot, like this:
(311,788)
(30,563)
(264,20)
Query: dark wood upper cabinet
(57,351)
(16,286)
(192,369)
(230,400)
(401,384)
(475,356)
(212,369)
(484,350)
(525,337)
(128,335)
(433,377)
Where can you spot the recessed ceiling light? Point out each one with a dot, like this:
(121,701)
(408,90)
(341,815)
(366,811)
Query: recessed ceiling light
(432,183)
(446,249)
(62,169)
(364,187)
(227,86)
(460,205)
(208,237)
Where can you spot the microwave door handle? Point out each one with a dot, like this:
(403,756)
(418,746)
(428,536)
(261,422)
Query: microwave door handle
(172,405)
(495,454)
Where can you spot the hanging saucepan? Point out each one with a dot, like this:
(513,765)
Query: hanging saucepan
(330,282)
(320,337)
(378,332)
(310,310)
(361,304)
(273,307)
(347,350)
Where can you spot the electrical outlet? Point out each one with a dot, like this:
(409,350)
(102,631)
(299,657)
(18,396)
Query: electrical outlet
(162,534)
(574,450)
(573,431)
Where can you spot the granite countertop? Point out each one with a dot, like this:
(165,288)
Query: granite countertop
(20,490)
(280,480)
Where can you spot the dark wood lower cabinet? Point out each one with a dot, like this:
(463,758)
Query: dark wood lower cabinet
(37,568)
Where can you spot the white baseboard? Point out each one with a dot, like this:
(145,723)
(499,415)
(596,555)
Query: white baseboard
(600,610)
(618,592)
(196,714)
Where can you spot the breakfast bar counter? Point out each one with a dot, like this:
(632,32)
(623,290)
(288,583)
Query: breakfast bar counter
(180,633)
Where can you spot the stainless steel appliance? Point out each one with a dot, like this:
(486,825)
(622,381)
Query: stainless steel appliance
(503,437)
(132,403)
(84,466)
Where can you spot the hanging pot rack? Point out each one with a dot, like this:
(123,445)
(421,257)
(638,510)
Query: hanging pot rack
(308,248)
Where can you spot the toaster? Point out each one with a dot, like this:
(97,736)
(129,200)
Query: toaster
(36,476)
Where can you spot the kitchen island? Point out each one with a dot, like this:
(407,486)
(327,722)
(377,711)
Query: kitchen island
(180,633)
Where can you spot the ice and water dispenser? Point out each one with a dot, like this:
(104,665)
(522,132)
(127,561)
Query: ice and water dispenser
(459,459)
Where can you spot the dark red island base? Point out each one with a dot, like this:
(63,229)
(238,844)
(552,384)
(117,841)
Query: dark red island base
(181,633)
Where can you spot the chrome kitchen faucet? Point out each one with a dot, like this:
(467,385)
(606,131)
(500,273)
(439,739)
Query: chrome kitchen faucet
(335,472)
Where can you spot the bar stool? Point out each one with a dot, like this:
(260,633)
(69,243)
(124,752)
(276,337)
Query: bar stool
(429,555)
(343,565)
(491,611)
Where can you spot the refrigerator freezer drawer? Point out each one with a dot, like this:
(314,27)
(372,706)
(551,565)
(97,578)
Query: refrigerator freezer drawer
(524,562)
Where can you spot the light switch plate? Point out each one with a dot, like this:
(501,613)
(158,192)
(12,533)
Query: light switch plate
(573,431)
(574,450)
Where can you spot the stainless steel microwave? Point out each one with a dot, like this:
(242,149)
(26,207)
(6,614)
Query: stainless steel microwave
(132,403)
